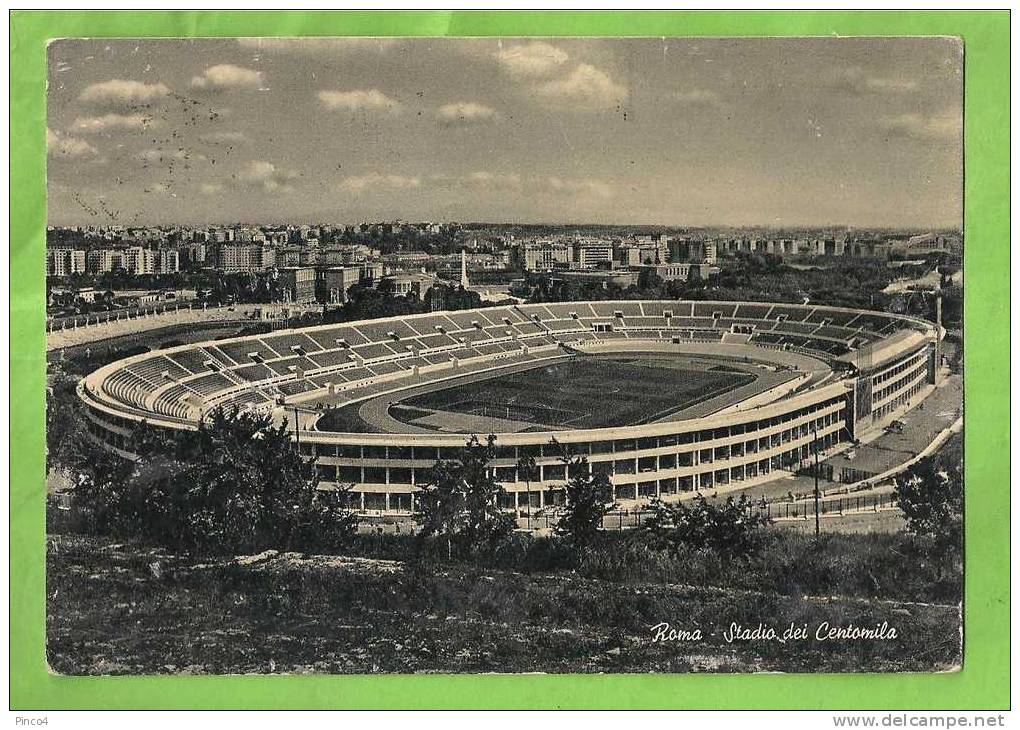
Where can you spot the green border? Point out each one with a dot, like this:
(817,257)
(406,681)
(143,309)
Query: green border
(982,684)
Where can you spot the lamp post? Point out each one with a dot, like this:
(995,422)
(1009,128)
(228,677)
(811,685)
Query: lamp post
(814,431)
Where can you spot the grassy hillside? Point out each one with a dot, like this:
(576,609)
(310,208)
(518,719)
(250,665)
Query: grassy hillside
(129,609)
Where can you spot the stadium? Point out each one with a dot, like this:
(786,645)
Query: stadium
(665,397)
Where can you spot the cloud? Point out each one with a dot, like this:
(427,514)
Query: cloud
(64,146)
(531,60)
(227,76)
(485,179)
(944,127)
(480,181)
(375,180)
(110,122)
(122,92)
(697,97)
(484,182)
(855,81)
(266,176)
(585,88)
(580,188)
(465,114)
(359,100)
(319,45)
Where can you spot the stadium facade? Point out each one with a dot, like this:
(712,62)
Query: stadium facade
(822,373)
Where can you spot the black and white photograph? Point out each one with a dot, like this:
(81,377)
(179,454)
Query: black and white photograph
(504,355)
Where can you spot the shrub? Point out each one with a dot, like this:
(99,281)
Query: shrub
(930,494)
(461,500)
(589,497)
(235,485)
(701,523)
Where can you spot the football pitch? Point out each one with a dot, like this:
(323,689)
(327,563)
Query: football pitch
(580,393)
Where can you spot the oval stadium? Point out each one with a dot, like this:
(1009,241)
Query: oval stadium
(666,397)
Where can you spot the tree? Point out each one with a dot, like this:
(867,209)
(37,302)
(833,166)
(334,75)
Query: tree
(589,497)
(930,494)
(527,470)
(235,485)
(462,499)
(649,279)
(65,423)
(700,523)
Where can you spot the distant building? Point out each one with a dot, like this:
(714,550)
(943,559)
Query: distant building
(139,261)
(681,272)
(543,255)
(104,260)
(403,284)
(694,252)
(65,261)
(233,258)
(371,272)
(192,254)
(168,261)
(589,254)
(298,284)
(620,278)
(333,283)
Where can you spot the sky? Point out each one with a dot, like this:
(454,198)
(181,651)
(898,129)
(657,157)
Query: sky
(677,131)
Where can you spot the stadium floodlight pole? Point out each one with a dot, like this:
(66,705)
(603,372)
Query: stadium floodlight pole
(814,431)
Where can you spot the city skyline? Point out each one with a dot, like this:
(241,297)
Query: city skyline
(666,132)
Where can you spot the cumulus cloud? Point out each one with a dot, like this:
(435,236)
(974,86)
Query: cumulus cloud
(318,45)
(531,60)
(856,81)
(586,87)
(479,181)
(111,122)
(581,188)
(227,76)
(122,92)
(465,114)
(697,97)
(368,100)
(944,127)
(375,180)
(64,146)
(266,176)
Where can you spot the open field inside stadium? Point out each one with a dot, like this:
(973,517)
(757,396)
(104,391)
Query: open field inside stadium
(579,393)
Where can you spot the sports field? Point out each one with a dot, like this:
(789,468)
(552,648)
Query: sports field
(580,393)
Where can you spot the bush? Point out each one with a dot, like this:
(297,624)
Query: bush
(589,497)
(700,523)
(930,494)
(236,485)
